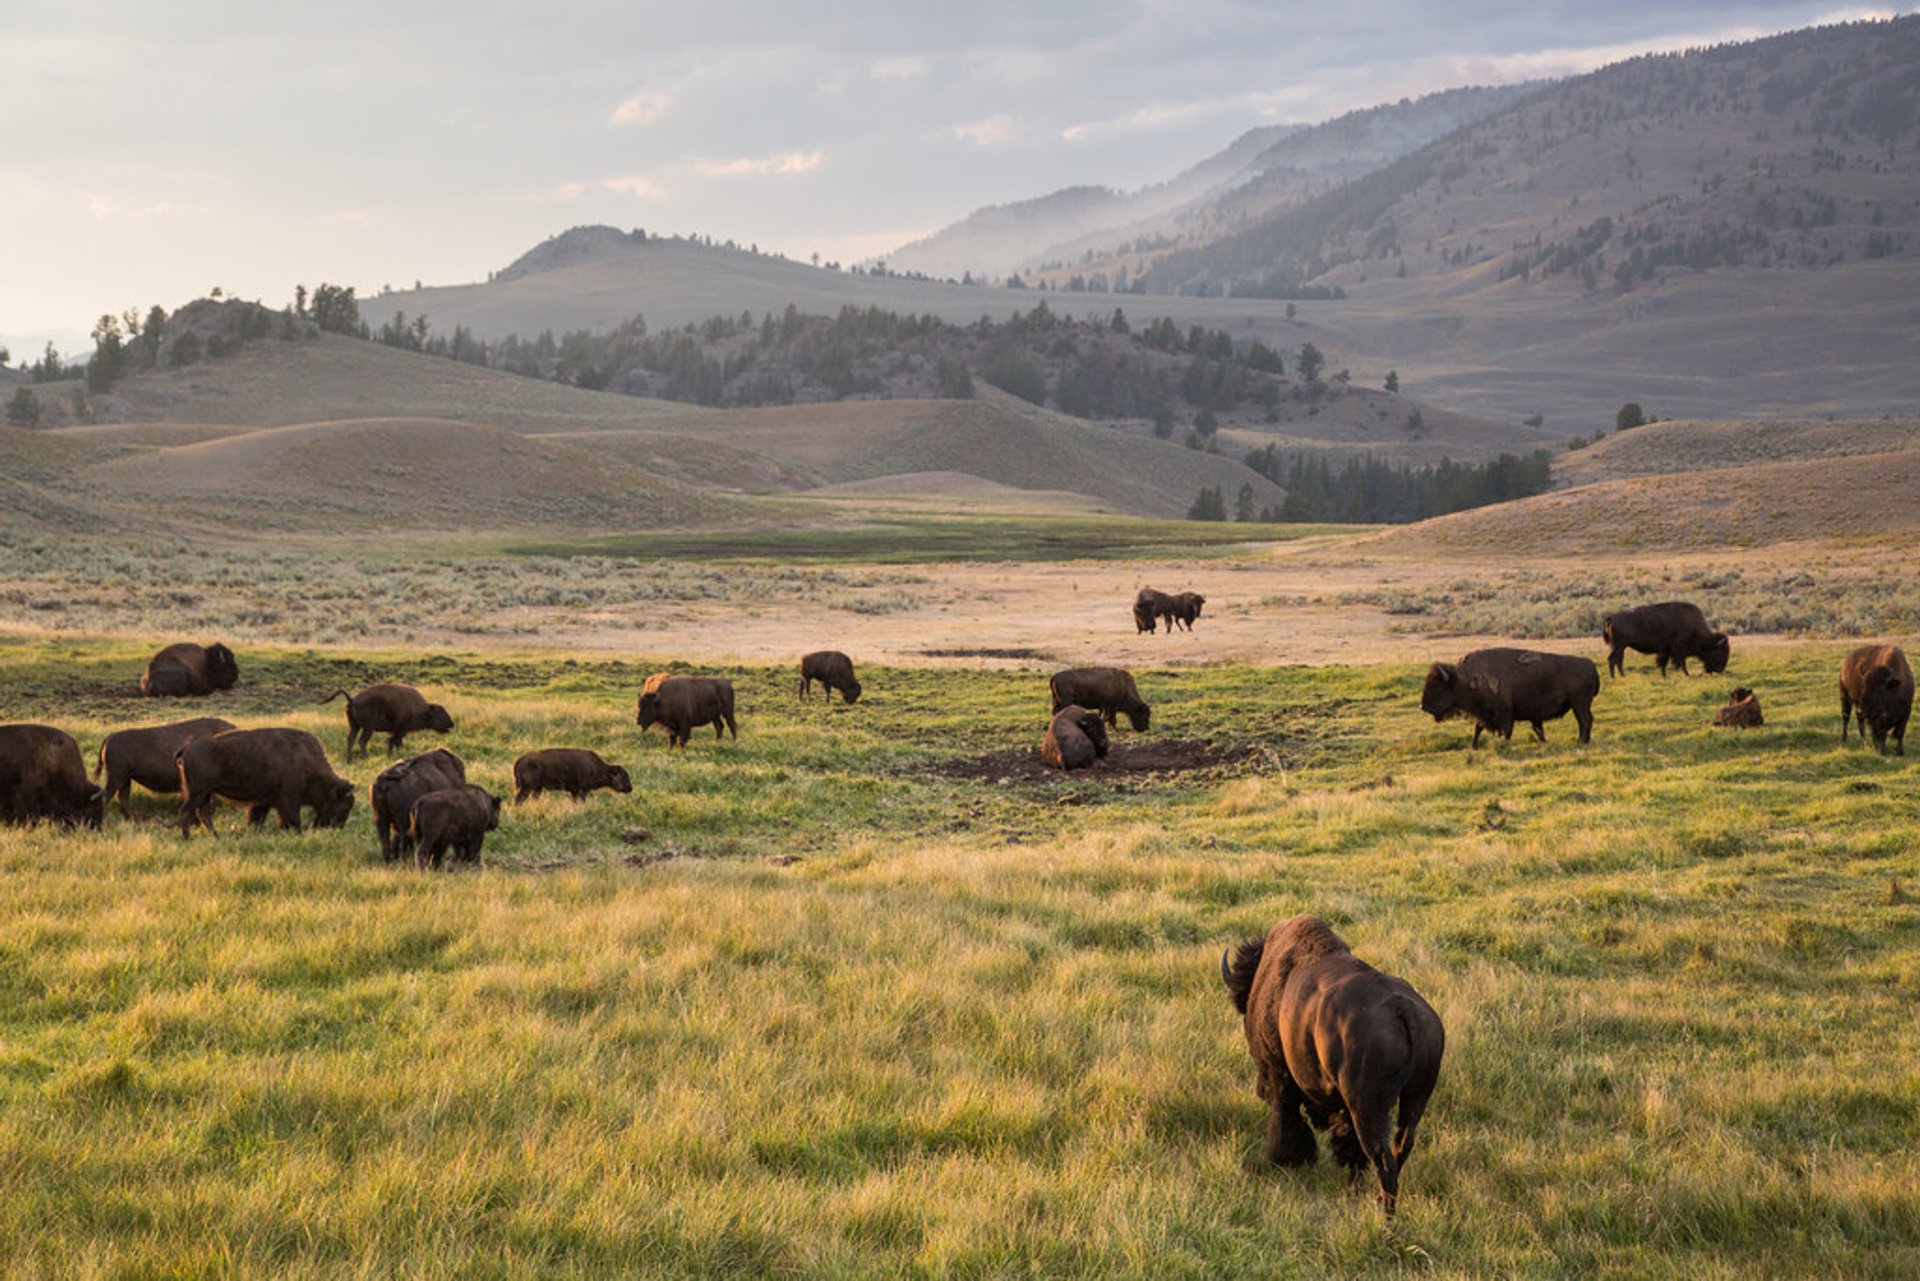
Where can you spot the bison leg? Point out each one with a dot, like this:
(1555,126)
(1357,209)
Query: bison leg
(806,687)
(733,732)
(1539,730)
(1682,660)
(1583,715)
(257,815)
(1477,727)
(521,793)
(1290,1140)
(1371,1134)
(289,812)
(1617,661)
(394,742)
(1846,714)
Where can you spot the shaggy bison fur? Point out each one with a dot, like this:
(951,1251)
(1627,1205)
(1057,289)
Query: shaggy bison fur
(186,669)
(452,820)
(1107,690)
(573,770)
(1336,1045)
(1149,607)
(1672,631)
(683,702)
(1876,684)
(398,786)
(42,775)
(268,770)
(1075,739)
(1742,710)
(393,710)
(832,669)
(1186,608)
(145,756)
(1498,687)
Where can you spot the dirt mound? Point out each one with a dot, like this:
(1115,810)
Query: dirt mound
(1188,759)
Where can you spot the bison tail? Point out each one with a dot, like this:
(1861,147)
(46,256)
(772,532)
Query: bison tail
(1606,631)
(1238,974)
(338,693)
(99,761)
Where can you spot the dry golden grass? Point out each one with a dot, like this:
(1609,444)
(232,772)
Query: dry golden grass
(1669,447)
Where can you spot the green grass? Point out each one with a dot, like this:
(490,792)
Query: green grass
(978,1029)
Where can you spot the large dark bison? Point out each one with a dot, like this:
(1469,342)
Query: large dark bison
(42,775)
(1742,710)
(179,671)
(1107,690)
(145,756)
(832,669)
(1186,608)
(1075,739)
(683,702)
(455,820)
(1337,1045)
(1497,688)
(1149,607)
(393,710)
(1877,684)
(1672,631)
(393,793)
(268,770)
(573,770)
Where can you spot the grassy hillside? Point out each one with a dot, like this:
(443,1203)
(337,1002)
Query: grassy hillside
(977,1028)
(1687,446)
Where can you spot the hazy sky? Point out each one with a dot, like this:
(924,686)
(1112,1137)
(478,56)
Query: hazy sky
(153,151)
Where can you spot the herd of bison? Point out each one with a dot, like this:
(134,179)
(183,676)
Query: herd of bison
(1338,1046)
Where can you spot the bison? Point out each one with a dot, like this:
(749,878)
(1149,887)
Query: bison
(1672,631)
(684,702)
(1186,608)
(1742,710)
(1107,690)
(1149,607)
(1498,687)
(42,775)
(398,786)
(277,770)
(832,669)
(393,710)
(455,819)
(1877,684)
(186,669)
(145,756)
(1075,739)
(573,770)
(1336,1045)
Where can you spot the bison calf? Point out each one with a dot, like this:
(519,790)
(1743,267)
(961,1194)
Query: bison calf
(682,703)
(398,786)
(455,819)
(1877,685)
(1337,1045)
(1498,687)
(393,710)
(1107,690)
(573,770)
(1075,739)
(145,756)
(832,669)
(186,669)
(42,775)
(1672,631)
(1741,712)
(268,770)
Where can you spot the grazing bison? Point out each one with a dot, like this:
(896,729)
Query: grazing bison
(42,775)
(188,669)
(832,669)
(1877,681)
(145,756)
(277,770)
(1336,1044)
(393,710)
(1149,607)
(1107,690)
(1672,631)
(1499,687)
(1075,739)
(1742,710)
(455,819)
(573,770)
(396,789)
(684,702)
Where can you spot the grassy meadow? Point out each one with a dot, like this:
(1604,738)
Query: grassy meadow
(976,1027)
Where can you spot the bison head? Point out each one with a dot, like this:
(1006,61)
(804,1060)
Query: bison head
(438,719)
(649,709)
(1095,729)
(1880,703)
(619,779)
(1718,650)
(1440,696)
(91,809)
(222,671)
(493,811)
(333,811)
(1139,716)
(851,690)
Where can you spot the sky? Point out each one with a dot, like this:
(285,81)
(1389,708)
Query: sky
(152,152)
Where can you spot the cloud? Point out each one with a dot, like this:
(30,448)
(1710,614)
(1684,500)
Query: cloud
(911,67)
(642,108)
(990,132)
(783,164)
(639,186)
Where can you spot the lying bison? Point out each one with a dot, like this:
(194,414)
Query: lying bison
(398,786)
(42,775)
(452,819)
(1672,631)
(186,669)
(1107,690)
(1336,1045)
(1149,607)
(683,702)
(832,669)
(267,770)
(1498,687)
(393,710)
(573,770)
(1742,711)
(1075,739)
(1877,684)
(145,756)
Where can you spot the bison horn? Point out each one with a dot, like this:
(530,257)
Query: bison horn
(1226,971)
